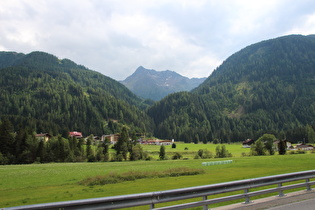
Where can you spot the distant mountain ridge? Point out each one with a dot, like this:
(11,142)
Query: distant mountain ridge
(155,85)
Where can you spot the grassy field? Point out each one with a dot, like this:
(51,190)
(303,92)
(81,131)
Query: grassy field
(191,149)
(41,183)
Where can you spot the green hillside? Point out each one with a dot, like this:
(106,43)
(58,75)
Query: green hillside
(268,87)
(265,87)
(47,94)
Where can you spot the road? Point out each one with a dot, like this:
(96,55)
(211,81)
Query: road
(302,205)
(301,200)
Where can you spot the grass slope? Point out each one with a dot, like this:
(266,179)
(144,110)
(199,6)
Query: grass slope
(41,183)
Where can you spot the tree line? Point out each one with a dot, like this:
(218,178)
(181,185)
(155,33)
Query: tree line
(21,146)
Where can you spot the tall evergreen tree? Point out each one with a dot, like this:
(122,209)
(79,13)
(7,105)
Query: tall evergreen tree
(7,147)
(162,154)
(122,143)
(282,147)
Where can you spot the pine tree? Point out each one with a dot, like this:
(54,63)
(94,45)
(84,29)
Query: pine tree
(122,143)
(282,147)
(162,153)
(7,147)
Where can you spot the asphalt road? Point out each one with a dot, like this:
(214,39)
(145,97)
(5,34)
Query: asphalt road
(301,200)
(302,205)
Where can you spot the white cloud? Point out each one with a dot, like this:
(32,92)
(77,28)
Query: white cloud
(116,36)
(305,26)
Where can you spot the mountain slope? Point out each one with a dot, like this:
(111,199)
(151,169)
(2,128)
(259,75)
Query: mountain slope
(155,85)
(265,87)
(57,96)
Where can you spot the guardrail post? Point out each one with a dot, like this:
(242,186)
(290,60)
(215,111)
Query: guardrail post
(308,186)
(152,206)
(247,198)
(205,207)
(280,191)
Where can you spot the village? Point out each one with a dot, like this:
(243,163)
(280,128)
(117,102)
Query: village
(113,138)
(289,146)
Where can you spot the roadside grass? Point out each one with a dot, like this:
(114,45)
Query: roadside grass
(41,183)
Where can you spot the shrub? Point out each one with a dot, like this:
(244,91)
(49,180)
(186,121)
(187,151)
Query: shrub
(204,154)
(222,152)
(3,160)
(207,154)
(292,152)
(244,154)
(197,156)
(162,153)
(300,151)
(177,156)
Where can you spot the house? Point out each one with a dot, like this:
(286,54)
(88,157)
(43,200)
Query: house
(43,137)
(248,142)
(75,134)
(157,142)
(304,147)
(287,143)
(113,138)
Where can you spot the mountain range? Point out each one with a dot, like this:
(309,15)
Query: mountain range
(267,87)
(155,85)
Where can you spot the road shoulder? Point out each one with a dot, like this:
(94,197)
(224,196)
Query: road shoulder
(265,203)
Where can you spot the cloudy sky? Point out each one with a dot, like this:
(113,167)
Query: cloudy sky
(114,37)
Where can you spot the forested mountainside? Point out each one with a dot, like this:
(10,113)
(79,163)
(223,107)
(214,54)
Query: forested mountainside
(265,87)
(47,94)
(155,85)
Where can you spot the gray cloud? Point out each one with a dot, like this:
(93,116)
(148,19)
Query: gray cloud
(114,37)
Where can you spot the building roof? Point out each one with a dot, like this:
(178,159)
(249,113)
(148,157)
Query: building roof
(42,135)
(75,134)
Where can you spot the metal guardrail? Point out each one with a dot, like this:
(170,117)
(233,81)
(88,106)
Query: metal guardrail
(153,198)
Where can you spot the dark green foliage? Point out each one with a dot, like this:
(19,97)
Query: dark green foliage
(204,154)
(89,153)
(268,140)
(173,145)
(7,137)
(258,148)
(181,116)
(121,146)
(137,153)
(222,152)
(57,96)
(177,156)
(105,147)
(264,144)
(162,153)
(266,87)
(282,147)
(310,134)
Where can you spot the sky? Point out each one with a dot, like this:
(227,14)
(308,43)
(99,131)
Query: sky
(114,37)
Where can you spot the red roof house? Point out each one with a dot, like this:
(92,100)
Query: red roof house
(75,134)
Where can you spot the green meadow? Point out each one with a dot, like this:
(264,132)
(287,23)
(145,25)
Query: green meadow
(42,183)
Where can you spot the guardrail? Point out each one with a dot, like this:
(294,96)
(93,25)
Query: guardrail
(153,198)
